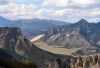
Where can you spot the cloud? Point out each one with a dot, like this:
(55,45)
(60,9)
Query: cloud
(64,14)
(66,10)
(13,10)
(94,15)
(77,4)
(3,2)
(95,20)
(82,1)
(55,3)
(69,15)
(22,1)
(84,4)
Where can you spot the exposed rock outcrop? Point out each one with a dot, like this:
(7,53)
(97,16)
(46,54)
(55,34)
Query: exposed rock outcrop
(79,35)
(92,61)
(12,41)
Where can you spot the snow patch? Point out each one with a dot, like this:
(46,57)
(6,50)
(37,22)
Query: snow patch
(37,38)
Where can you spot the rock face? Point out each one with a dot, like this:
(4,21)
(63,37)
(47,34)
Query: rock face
(92,61)
(69,40)
(5,55)
(78,35)
(12,41)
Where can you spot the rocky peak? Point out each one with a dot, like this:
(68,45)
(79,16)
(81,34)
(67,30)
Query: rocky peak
(79,35)
(81,25)
(82,21)
(9,37)
(98,23)
(1,18)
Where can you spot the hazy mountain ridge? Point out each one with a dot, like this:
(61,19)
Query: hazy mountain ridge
(37,26)
(31,27)
(34,27)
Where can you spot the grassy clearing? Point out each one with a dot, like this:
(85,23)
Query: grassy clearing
(55,49)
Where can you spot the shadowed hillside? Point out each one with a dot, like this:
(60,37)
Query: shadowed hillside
(12,41)
(92,61)
(16,64)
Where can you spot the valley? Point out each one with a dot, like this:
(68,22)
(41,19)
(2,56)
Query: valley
(55,49)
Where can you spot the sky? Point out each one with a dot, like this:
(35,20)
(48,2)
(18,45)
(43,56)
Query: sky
(65,10)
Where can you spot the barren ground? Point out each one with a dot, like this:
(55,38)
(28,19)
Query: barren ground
(55,49)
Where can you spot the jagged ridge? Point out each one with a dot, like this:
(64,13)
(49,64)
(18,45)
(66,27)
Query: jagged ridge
(79,35)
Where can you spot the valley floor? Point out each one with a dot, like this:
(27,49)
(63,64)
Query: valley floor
(54,49)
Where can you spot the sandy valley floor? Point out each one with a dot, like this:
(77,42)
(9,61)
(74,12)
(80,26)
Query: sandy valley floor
(55,50)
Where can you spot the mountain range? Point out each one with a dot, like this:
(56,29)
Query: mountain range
(15,46)
(31,27)
(79,35)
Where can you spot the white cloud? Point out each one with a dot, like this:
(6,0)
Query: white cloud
(21,1)
(55,3)
(13,10)
(3,2)
(95,19)
(54,14)
(95,13)
(51,9)
(96,1)
(44,13)
(66,3)
(83,1)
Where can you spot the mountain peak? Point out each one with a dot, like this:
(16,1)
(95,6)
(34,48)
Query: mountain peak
(2,19)
(82,21)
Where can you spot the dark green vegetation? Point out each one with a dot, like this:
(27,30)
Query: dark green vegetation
(8,61)
(15,64)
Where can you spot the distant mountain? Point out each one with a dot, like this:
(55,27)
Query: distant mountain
(4,22)
(79,35)
(31,27)
(8,23)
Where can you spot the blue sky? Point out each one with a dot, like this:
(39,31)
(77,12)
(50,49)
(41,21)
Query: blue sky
(66,10)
